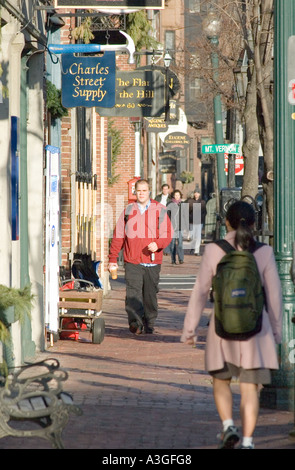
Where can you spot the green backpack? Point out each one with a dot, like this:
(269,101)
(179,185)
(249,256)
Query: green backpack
(238,294)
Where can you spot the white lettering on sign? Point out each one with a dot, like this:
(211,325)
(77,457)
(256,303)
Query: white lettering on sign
(223,148)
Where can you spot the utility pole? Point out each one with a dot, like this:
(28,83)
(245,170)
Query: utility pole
(280,394)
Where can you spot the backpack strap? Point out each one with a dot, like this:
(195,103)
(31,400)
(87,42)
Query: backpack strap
(225,245)
(257,246)
(128,211)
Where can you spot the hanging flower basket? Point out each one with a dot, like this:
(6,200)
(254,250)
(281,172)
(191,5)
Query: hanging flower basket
(15,304)
(8,316)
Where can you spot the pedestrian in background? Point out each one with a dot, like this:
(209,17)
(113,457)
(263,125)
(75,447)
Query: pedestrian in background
(178,215)
(164,198)
(197,214)
(252,359)
(143,231)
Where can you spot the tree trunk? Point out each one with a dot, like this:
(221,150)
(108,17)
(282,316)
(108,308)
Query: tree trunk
(264,69)
(252,144)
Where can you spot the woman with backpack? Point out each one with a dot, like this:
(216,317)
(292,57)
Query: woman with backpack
(248,359)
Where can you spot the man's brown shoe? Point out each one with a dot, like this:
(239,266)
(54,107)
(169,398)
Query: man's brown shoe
(135,329)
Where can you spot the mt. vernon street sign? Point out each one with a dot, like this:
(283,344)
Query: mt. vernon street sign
(88,81)
(224,148)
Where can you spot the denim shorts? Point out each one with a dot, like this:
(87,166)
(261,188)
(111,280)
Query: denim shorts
(254,376)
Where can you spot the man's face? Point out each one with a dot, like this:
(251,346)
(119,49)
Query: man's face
(165,190)
(197,195)
(142,193)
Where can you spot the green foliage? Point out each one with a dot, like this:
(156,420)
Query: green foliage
(4,89)
(117,141)
(187,177)
(53,101)
(21,300)
(83,31)
(140,29)
(137,26)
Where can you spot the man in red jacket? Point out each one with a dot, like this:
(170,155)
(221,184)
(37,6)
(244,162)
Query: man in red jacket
(143,231)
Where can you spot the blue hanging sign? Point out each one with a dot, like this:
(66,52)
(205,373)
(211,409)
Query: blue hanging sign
(89,81)
(14,147)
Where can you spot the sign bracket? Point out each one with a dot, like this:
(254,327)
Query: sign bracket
(84,48)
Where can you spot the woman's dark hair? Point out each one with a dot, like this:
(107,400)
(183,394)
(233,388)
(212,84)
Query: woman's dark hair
(176,191)
(241,217)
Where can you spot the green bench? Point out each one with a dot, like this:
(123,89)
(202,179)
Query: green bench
(33,394)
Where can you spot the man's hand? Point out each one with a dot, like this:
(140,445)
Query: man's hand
(153,247)
(112,266)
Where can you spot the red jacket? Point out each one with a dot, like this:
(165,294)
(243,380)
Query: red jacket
(135,231)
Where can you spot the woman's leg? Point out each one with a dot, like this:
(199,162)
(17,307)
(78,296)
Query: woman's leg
(223,398)
(249,408)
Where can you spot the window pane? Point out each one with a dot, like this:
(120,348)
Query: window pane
(194,6)
(195,88)
(170,40)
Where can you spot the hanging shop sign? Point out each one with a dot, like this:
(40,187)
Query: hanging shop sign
(172,80)
(111,4)
(88,81)
(173,112)
(167,162)
(138,94)
(177,140)
(158,124)
(155,124)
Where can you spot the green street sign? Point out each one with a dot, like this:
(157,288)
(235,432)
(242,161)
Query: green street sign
(223,148)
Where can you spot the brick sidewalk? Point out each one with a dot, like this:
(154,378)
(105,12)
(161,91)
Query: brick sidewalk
(149,391)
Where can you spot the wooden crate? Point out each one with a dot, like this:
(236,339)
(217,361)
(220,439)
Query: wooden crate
(82,300)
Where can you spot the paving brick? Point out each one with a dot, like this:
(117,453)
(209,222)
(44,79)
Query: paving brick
(149,391)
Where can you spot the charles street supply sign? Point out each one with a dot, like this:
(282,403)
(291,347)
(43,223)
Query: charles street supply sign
(138,94)
(89,81)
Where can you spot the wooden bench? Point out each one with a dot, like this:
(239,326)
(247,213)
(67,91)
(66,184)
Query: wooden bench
(34,394)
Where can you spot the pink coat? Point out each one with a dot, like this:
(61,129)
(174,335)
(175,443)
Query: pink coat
(258,351)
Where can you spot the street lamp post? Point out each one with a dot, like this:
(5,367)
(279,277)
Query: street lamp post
(167,62)
(211,27)
(281,392)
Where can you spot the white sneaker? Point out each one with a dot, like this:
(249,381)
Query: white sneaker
(229,438)
(251,446)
